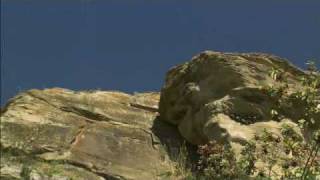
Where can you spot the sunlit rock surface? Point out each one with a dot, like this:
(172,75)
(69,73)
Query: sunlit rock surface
(62,134)
(220,96)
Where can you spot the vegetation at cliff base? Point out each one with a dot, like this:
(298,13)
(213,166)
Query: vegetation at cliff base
(292,154)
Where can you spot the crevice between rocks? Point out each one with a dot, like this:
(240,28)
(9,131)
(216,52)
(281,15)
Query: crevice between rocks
(78,111)
(146,108)
(41,99)
(87,114)
(78,136)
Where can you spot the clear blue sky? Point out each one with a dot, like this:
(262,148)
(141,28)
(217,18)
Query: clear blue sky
(129,45)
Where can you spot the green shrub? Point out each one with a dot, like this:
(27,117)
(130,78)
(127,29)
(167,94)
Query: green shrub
(217,161)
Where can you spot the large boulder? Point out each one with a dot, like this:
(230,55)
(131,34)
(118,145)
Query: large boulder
(62,134)
(221,96)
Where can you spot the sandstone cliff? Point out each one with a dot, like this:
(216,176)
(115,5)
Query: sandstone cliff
(62,134)
(221,96)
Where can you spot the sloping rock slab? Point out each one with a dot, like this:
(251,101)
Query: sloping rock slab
(62,134)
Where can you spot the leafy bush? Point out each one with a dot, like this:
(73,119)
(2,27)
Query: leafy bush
(283,157)
(217,161)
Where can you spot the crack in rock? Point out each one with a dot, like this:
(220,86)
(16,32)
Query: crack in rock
(146,108)
(78,136)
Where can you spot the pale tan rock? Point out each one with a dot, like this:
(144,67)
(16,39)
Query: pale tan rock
(219,96)
(96,134)
(63,134)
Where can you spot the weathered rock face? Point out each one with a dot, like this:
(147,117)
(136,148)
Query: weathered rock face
(218,96)
(62,134)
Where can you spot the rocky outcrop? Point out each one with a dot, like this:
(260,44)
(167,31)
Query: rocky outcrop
(220,96)
(57,133)
(61,134)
